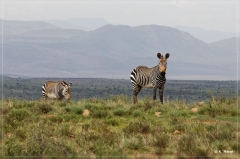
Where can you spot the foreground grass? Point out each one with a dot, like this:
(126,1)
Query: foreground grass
(115,127)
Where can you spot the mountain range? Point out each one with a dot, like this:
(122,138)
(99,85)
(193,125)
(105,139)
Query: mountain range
(40,49)
(207,36)
(86,24)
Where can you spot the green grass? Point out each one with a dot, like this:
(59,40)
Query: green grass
(116,127)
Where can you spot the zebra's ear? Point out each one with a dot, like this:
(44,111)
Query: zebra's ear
(63,83)
(167,56)
(159,55)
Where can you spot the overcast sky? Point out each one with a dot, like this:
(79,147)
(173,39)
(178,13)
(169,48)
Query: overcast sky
(215,15)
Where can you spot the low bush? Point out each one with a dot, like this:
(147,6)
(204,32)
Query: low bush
(120,112)
(160,143)
(142,127)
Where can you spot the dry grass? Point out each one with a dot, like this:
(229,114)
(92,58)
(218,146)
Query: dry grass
(115,127)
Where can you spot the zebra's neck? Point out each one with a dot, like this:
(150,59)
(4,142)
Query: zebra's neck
(160,74)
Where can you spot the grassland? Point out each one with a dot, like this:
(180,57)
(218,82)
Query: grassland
(111,127)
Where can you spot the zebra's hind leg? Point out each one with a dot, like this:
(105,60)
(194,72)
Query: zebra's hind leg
(161,95)
(135,93)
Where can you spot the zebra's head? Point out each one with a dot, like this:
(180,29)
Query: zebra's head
(162,62)
(66,90)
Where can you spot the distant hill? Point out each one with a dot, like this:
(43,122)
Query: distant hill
(207,36)
(18,27)
(229,43)
(112,51)
(66,33)
(86,24)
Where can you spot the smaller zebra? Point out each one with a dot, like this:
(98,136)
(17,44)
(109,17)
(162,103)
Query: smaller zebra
(143,76)
(56,90)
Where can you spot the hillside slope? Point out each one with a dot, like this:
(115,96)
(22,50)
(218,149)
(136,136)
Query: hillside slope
(113,51)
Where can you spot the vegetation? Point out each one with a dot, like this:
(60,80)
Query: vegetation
(84,88)
(115,127)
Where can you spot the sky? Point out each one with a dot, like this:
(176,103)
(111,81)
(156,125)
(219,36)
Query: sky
(214,15)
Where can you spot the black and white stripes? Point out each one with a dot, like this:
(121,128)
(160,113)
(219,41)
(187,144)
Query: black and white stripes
(144,77)
(44,91)
(56,90)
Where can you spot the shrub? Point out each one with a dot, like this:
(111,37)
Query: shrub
(160,143)
(17,115)
(136,113)
(147,105)
(77,110)
(20,104)
(143,127)
(67,129)
(42,107)
(62,103)
(56,119)
(39,143)
(135,143)
(113,122)
(222,132)
(21,134)
(120,111)
(98,113)
(190,145)
(220,106)
(13,147)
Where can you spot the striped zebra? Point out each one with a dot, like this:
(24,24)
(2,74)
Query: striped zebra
(56,90)
(143,76)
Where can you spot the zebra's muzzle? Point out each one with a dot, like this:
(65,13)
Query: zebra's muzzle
(163,74)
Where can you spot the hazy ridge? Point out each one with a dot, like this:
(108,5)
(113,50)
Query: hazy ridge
(112,51)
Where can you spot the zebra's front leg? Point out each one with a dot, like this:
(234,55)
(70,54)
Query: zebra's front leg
(154,93)
(135,93)
(161,95)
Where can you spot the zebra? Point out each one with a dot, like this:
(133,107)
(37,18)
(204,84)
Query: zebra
(142,76)
(56,90)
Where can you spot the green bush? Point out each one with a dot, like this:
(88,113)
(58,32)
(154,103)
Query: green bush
(17,115)
(136,113)
(42,107)
(160,143)
(189,144)
(135,143)
(222,132)
(143,127)
(21,104)
(120,112)
(98,113)
(220,106)
(13,147)
(113,122)
(77,110)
